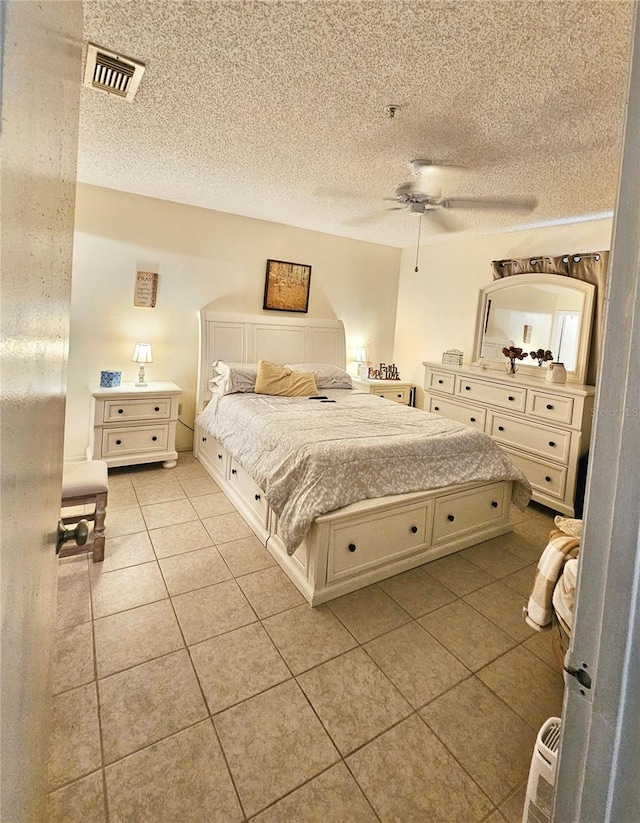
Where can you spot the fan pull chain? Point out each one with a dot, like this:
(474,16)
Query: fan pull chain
(418,248)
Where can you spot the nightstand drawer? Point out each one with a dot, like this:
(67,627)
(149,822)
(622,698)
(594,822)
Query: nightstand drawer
(149,408)
(547,442)
(138,439)
(511,397)
(399,395)
(469,415)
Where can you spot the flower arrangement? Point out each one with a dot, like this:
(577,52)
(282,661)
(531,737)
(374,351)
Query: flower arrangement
(513,353)
(541,355)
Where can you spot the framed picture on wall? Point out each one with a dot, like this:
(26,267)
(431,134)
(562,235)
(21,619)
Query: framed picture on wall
(286,286)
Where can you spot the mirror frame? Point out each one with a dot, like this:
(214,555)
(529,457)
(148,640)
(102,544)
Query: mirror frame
(586,289)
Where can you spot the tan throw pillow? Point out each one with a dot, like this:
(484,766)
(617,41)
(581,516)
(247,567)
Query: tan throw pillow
(281,381)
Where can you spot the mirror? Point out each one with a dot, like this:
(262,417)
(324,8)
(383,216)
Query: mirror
(536,311)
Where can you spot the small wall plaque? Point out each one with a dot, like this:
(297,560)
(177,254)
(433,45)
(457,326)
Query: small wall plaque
(452,357)
(146,289)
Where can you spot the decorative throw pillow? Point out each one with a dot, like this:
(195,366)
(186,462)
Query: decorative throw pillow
(327,376)
(283,382)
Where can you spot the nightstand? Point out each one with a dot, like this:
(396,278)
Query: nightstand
(134,424)
(394,390)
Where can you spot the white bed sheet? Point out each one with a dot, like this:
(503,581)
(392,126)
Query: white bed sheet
(311,457)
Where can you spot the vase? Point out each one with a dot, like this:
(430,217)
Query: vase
(510,367)
(556,373)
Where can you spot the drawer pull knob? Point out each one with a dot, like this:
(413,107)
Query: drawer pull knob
(450,518)
(118,442)
(257,496)
(157,408)
(440,382)
(467,388)
(120,411)
(234,471)
(414,529)
(154,438)
(500,428)
(219,457)
(398,395)
(494,504)
(548,479)
(511,398)
(551,443)
(472,419)
(549,406)
(204,439)
(351,547)
(436,408)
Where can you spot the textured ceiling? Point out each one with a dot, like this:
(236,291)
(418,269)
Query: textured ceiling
(276,110)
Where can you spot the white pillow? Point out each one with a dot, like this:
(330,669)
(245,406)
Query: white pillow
(229,378)
(327,375)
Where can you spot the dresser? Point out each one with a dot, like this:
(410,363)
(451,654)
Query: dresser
(134,424)
(545,427)
(394,390)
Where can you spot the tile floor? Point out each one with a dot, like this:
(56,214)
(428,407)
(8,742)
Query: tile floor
(193,682)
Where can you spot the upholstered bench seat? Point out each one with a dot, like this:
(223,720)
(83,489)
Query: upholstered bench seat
(86,483)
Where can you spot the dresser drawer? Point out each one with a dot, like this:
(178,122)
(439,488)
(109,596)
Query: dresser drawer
(364,545)
(441,381)
(550,406)
(399,395)
(137,439)
(548,479)
(465,511)
(154,408)
(248,490)
(506,397)
(547,442)
(469,415)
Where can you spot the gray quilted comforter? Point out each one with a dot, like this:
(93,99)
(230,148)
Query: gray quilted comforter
(311,457)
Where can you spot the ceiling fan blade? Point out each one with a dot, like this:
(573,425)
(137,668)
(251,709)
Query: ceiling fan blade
(443,220)
(364,220)
(519,203)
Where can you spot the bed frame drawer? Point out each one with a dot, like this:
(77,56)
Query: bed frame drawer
(249,490)
(363,544)
(217,455)
(467,511)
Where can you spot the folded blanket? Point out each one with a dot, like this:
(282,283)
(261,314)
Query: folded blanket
(564,595)
(559,550)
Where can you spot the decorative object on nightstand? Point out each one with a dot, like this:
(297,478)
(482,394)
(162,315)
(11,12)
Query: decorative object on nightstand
(141,355)
(134,424)
(384,372)
(110,379)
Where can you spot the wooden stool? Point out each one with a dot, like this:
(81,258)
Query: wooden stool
(86,483)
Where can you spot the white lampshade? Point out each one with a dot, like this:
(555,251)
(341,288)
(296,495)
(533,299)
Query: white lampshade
(359,355)
(142,353)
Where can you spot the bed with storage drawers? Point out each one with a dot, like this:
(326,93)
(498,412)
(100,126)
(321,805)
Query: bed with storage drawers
(325,505)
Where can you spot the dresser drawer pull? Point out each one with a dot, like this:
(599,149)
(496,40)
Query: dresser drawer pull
(204,439)
(511,398)
(118,442)
(157,408)
(548,479)
(494,504)
(219,457)
(351,547)
(436,408)
(120,411)
(467,388)
(440,382)
(500,428)
(234,471)
(552,444)
(472,419)
(154,438)
(257,496)
(549,406)
(414,529)
(450,518)
(398,395)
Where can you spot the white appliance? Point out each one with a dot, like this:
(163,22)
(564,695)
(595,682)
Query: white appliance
(542,774)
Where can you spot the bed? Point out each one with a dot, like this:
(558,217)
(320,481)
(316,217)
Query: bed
(338,490)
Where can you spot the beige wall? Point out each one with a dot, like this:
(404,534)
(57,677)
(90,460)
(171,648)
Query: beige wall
(437,305)
(202,257)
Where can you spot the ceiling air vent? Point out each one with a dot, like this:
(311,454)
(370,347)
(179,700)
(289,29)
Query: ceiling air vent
(112,73)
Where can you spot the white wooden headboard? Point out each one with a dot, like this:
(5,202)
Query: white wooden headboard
(247,338)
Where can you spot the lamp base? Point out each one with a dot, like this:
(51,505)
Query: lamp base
(140,384)
(141,380)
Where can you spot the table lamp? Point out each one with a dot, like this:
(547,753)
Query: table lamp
(360,357)
(142,355)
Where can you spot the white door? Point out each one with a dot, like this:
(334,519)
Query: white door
(40,97)
(599,767)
